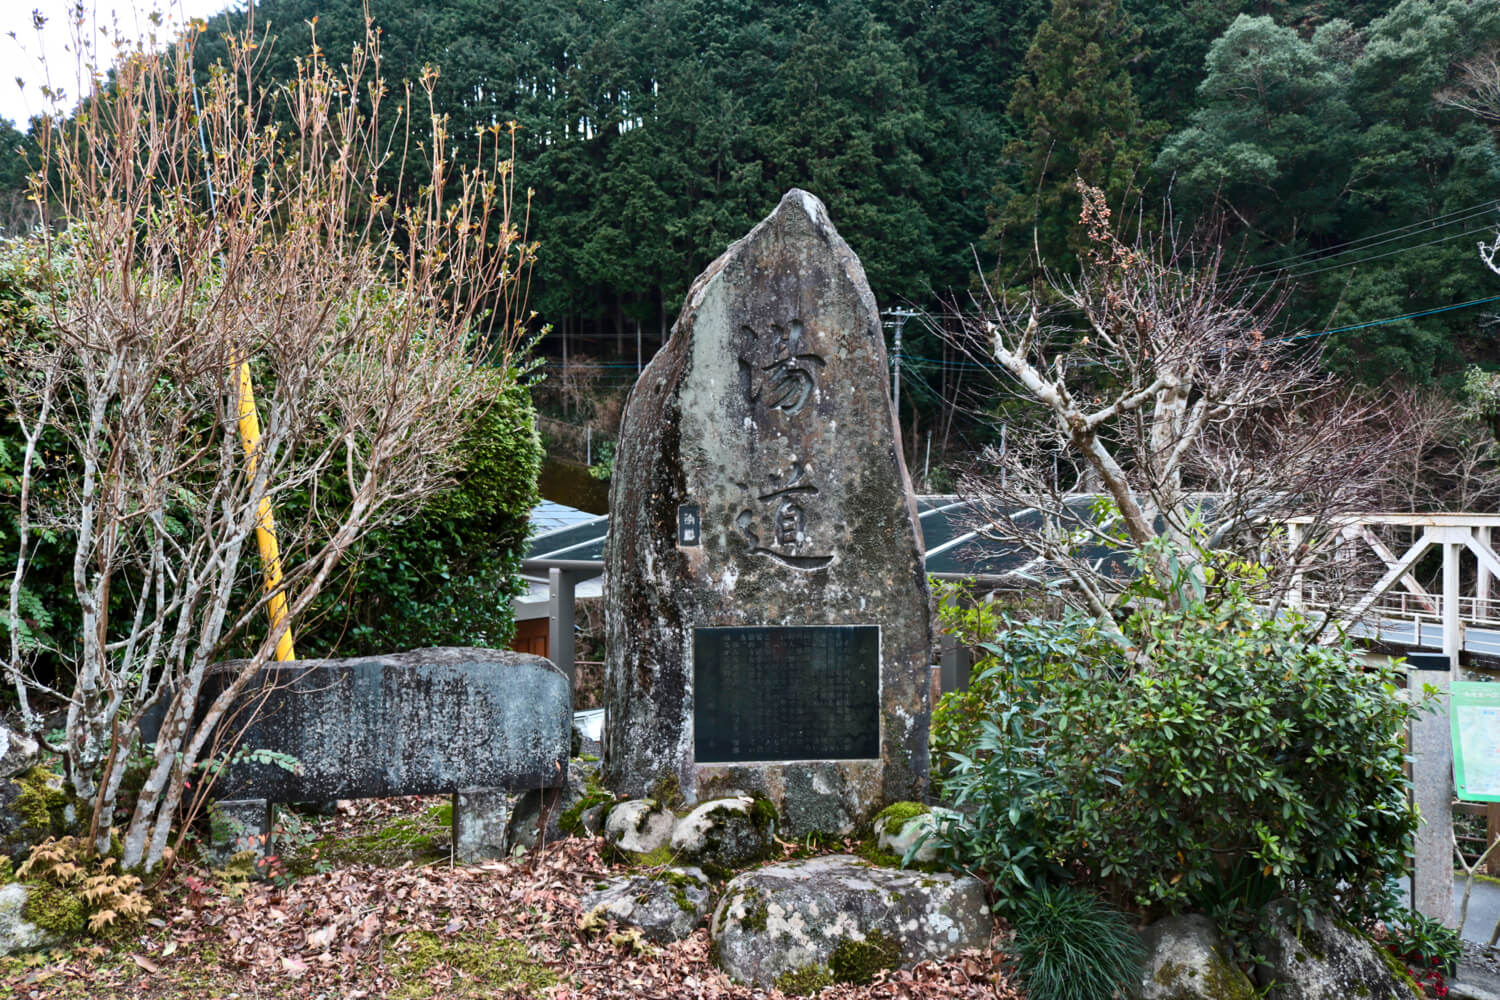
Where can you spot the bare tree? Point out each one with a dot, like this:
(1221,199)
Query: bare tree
(1477,86)
(191,231)
(1153,402)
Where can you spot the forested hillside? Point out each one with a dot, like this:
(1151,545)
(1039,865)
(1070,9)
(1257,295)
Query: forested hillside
(1325,136)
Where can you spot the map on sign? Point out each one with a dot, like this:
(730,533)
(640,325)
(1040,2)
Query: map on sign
(1476,741)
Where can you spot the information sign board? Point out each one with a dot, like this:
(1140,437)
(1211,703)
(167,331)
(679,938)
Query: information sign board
(1476,740)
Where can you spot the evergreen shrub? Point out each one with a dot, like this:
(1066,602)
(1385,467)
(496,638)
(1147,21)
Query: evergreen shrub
(1208,758)
(445,575)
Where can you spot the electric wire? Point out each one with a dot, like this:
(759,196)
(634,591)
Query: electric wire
(1363,242)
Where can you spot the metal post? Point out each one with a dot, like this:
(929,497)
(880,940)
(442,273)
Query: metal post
(1453,639)
(560,607)
(927,462)
(1432,752)
(1294,587)
(1482,581)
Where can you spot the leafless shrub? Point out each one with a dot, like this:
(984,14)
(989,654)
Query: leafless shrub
(361,305)
(1155,385)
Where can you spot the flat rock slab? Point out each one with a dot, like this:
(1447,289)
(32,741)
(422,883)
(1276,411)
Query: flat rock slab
(417,723)
(1325,962)
(667,906)
(838,918)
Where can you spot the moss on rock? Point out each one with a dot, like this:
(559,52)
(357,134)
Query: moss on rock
(855,961)
(805,981)
(896,815)
(34,806)
(668,791)
(55,909)
(409,838)
(571,821)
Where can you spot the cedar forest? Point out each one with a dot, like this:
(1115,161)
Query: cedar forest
(945,137)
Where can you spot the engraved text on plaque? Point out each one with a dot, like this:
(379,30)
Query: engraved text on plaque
(786,693)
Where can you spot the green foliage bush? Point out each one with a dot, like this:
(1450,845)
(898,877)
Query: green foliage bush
(1034,651)
(1423,943)
(1207,759)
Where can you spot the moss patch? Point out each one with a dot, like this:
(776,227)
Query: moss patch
(763,812)
(658,858)
(896,815)
(857,961)
(668,791)
(680,882)
(571,821)
(417,839)
(55,909)
(870,852)
(1221,980)
(804,981)
(44,807)
(481,965)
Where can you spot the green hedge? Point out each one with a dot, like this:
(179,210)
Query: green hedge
(446,575)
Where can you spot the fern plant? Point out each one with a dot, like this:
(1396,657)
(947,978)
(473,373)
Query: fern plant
(76,893)
(1071,945)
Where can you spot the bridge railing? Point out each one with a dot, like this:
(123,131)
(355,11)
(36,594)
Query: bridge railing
(1401,606)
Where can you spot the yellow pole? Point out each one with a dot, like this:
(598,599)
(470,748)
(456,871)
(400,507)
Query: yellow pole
(265,523)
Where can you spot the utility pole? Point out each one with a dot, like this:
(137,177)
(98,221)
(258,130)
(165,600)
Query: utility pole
(896,318)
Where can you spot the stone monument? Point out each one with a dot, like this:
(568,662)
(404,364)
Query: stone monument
(766,600)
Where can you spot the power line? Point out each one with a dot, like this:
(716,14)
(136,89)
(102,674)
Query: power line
(1364,260)
(1396,319)
(1338,249)
(941,363)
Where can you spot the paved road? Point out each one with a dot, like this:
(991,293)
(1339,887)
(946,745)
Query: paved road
(1484,908)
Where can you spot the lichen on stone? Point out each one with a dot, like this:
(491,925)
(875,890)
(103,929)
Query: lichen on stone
(754,910)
